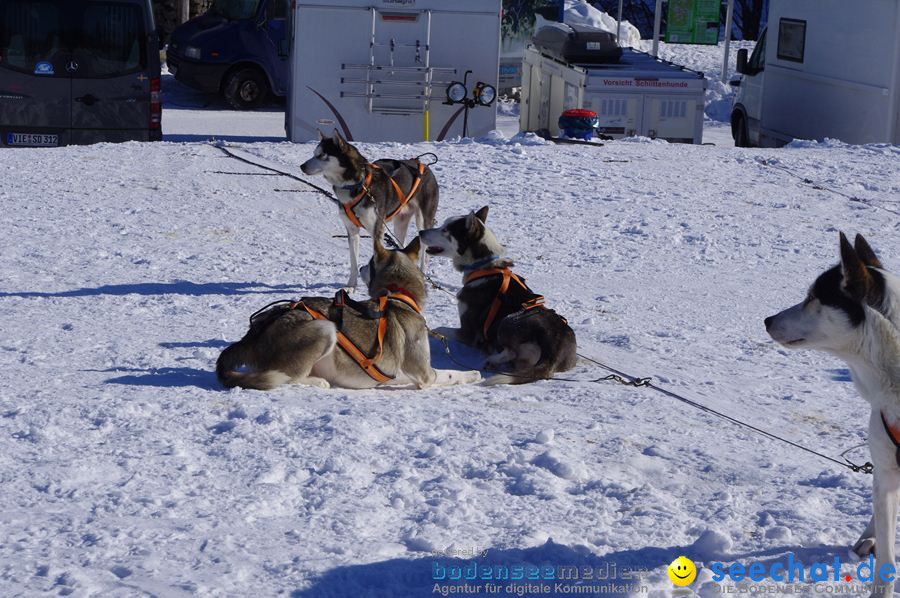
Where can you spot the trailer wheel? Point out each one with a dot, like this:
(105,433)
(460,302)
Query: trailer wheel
(245,88)
(739,131)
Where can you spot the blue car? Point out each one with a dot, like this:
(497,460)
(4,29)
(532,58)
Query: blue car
(238,48)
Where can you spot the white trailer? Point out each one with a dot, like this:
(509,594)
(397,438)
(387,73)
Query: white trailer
(643,95)
(635,95)
(549,87)
(822,68)
(378,70)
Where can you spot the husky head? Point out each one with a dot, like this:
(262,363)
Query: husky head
(838,302)
(335,159)
(466,239)
(394,271)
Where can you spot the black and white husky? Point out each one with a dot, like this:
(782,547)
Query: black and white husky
(497,311)
(853,312)
(392,190)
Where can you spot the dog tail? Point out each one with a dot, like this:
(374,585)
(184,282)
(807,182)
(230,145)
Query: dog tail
(238,354)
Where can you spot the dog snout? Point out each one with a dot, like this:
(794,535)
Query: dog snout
(768,322)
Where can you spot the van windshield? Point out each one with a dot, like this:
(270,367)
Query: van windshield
(234,9)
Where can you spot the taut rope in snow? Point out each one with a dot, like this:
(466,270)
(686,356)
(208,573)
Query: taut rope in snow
(822,187)
(634,381)
(615,375)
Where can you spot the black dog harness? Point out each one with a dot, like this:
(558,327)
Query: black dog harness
(534,301)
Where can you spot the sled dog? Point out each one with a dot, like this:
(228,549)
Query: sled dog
(392,190)
(852,311)
(323,342)
(498,312)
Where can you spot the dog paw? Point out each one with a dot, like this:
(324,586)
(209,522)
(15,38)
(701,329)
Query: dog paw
(471,377)
(317,382)
(864,547)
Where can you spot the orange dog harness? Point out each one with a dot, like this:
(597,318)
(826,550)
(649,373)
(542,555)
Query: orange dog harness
(535,302)
(401,198)
(368,364)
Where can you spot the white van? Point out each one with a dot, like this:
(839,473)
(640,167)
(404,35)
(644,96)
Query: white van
(822,69)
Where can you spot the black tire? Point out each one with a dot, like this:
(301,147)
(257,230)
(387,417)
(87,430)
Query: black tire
(739,130)
(245,88)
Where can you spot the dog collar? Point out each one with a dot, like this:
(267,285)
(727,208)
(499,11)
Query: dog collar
(481,263)
(354,188)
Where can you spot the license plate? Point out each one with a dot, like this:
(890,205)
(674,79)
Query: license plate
(32,139)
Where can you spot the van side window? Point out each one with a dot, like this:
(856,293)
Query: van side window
(791,39)
(757,62)
(29,33)
(113,40)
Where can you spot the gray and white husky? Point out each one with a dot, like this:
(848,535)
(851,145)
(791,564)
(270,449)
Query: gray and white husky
(347,170)
(497,311)
(852,311)
(287,344)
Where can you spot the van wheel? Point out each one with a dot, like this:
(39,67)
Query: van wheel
(246,89)
(739,132)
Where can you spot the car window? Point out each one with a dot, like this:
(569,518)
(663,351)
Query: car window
(111,39)
(30,35)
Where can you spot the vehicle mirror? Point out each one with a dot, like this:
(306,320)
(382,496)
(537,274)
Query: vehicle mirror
(742,61)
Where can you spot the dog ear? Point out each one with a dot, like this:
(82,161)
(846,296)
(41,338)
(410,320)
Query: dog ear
(336,137)
(412,250)
(473,224)
(856,276)
(865,253)
(482,214)
(321,134)
(381,253)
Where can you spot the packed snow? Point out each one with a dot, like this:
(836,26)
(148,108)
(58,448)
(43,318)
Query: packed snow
(127,470)
(580,12)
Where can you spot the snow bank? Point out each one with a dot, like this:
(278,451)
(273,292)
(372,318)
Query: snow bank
(579,12)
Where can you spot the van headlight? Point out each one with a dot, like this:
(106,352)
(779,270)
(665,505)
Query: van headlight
(192,52)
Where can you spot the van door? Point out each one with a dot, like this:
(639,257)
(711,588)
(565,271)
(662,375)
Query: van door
(35,89)
(110,74)
(752,88)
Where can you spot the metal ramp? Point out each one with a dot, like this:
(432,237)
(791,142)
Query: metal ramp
(399,78)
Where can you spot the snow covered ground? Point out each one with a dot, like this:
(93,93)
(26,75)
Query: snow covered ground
(127,471)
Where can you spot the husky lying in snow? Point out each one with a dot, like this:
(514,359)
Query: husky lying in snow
(387,189)
(497,311)
(306,342)
(853,312)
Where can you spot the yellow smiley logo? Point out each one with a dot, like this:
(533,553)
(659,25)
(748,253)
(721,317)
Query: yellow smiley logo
(682,571)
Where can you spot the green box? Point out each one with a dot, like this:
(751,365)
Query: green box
(693,22)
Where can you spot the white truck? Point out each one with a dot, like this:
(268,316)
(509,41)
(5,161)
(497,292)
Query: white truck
(821,69)
(382,70)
